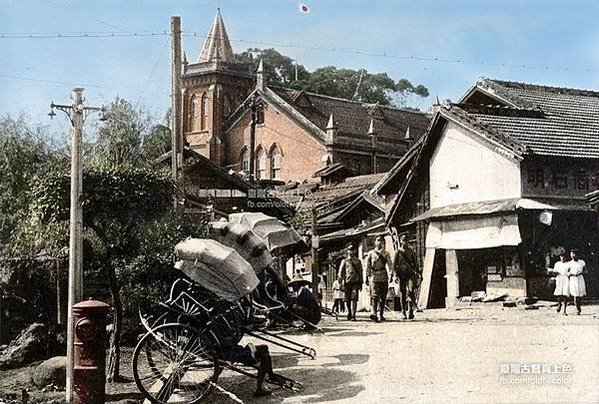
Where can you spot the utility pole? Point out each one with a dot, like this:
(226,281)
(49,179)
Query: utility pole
(176,98)
(296,78)
(77,113)
(252,138)
(315,263)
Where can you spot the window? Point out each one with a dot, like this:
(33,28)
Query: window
(227,105)
(275,163)
(260,113)
(193,107)
(245,160)
(261,164)
(204,111)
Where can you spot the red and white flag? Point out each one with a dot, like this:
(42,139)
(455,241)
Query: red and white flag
(303,8)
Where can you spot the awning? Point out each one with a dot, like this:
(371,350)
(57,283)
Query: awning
(353,232)
(474,232)
(498,206)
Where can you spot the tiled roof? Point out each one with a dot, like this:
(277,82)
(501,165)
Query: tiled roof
(565,124)
(327,199)
(351,186)
(391,175)
(353,119)
(330,169)
(460,114)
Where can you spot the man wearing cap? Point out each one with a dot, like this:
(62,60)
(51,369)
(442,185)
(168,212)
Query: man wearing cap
(377,278)
(407,272)
(350,278)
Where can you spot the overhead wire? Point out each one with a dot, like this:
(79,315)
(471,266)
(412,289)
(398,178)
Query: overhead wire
(152,73)
(361,52)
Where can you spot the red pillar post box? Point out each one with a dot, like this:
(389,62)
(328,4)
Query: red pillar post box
(89,372)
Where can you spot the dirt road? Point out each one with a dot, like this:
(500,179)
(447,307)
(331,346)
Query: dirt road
(450,356)
(465,355)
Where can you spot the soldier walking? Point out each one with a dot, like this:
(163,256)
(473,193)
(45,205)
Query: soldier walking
(377,277)
(407,272)
(350,278)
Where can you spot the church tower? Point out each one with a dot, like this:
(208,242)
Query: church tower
(212,88)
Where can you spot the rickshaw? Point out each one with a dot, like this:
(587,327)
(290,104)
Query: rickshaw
(257,238)
(209,309)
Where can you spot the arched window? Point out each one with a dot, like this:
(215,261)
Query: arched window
(261,164)
(204,111)
(193,106)
(227,105)
(245,160)
(275,163)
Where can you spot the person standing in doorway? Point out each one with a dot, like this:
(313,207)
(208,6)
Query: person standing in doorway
(407,273)
(577,285)
(377,277)
(562,284)
(350,278)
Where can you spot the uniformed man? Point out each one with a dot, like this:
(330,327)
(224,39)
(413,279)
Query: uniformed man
(407,272)
(350,278)
(377,277)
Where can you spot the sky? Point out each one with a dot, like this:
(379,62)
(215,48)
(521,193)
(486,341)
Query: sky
(445,45)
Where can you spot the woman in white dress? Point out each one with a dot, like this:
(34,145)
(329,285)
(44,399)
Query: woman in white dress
(577,286)
(562,287)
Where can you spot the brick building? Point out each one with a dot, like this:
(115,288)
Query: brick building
(296,132)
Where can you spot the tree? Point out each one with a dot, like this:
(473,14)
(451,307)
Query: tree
(352,84)
(157,142)
(359,85)
(117,203)
(278,69)
(120,135)
(23,151)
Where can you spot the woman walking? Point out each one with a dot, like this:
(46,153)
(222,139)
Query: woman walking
(577,285)
(562,285)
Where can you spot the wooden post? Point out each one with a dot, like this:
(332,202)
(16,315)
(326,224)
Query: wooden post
(75,289)
(176,132)
(427,274)
(451,274)
(315,264)
(61,310)
(76,112)
(253,139)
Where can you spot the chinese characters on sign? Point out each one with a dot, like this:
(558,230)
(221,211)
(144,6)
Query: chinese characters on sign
(558,180)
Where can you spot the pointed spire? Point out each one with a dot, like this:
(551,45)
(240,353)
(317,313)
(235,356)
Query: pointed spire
(371,127)
(407,136)
(437,102)
(185,62)
(217,45)
(331,130)
(260,76)
(331,123)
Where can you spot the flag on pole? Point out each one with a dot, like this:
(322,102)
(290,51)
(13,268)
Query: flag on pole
(303,8)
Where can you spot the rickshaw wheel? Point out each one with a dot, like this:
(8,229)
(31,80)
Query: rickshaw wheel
(175,363)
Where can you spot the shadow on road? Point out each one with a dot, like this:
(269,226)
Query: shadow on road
(348,359)
(124,396)
(321,385)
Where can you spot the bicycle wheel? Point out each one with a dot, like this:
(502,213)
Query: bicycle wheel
(174,363)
